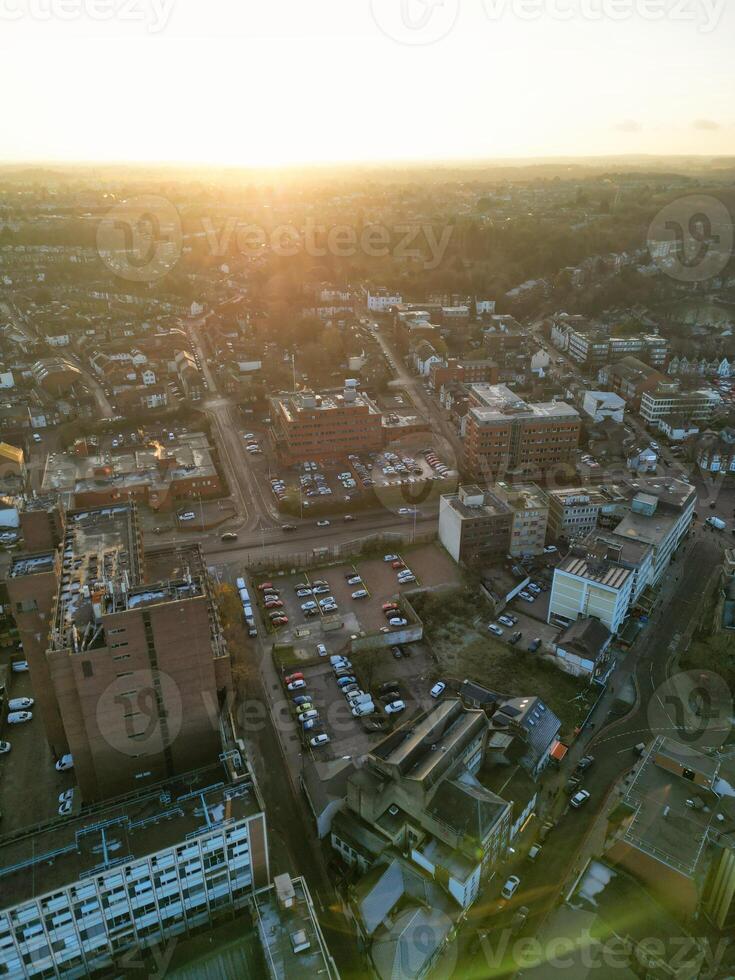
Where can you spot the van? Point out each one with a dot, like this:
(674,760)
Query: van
(240,583)
(244,595)
(247,611)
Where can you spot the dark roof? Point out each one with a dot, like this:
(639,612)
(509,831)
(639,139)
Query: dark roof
(538,722)
(468,807)
(470,691)
(588,637)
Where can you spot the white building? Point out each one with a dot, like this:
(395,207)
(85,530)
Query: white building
(382,301)
(79,894)
(591,586)
(601,405)
(698,406)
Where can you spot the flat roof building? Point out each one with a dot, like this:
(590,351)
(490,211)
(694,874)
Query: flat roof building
(474,525)
(506,435)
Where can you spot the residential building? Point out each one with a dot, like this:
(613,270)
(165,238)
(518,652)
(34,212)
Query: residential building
(81,894)
(529,506)
(309,426)
(593,344)
(127,659)
(12,464)
(504,434)
(466,371)
(583,649)
(601,405)
(716,451)
(523,730)
(573,512)
(381,301)
(474,525)
(667,400)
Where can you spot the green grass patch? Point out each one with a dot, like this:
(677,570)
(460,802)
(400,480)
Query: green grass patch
(715,653)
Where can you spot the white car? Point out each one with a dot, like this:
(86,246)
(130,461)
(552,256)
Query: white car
(19,666)
(527,597)
(65,808)
(438,689)
(18,717)
(4,748)
(398,621)
(394,707)
(20,704)
(322,523)
(64,763)
(511,886)
(550,549)
(360,594)
(319,740)
(390,557)
(308,715)
(494,628)
(407,579)
(579,799)
(188,516)
(68,794)
(297,685)
(321,649)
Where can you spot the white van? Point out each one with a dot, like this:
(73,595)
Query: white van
(363,709)
(245,595)
(240,583)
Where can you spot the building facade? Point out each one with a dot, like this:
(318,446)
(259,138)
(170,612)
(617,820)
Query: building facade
(474,525)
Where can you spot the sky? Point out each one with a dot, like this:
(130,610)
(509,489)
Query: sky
(274,82)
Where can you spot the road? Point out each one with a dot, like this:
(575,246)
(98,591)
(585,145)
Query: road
(647,665)
(426,405)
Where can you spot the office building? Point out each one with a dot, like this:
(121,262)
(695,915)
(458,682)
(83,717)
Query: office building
(309,426)
(573,512)
(529,506)
(128,664)
(474,525)
(668,400)
(506,435)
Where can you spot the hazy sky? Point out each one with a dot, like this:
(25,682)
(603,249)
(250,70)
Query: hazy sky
(289,81)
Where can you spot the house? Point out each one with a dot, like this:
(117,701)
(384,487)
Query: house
(676,429)
(582,649)
(532,726)
(424,356)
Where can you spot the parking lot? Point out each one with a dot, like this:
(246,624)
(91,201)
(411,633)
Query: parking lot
(429,564)
(29,783)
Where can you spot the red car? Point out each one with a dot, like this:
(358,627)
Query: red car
(280,621)
(273,604)
(265,585)
(298,676)
(398,564)
(389,605)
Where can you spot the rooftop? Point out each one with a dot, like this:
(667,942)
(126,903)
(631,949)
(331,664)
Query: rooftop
(43,859)
(595,568)
(472,502)
(499,403)
(32,564)
(292,939)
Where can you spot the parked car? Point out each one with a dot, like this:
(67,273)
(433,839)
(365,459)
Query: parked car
(506,621)
(65,808)
(280,621)
(390,696)
(354,580)
(360,594)
(308,715)
(308,605)
(534,852)
(527,597)
(397,652)
(18,717)
(188,515)
(579,799)
(405,579)
(495,629)
(395,707)
(398,621)
(510,887)
(65,763)
(262,586)
(296,686)
(515,638)
(550,549)
(398,564)
(302,708)
(438,689)
(585,762)
(20,704)
(19,666)
(300,699)
(390,558)
(533,588)
(345,681)
(318,740)
(534,645)
(390,606)
(303,593)
(321,649)
(296,676)
(4,748)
